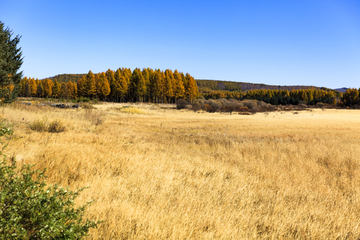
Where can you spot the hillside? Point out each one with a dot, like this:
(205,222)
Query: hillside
(341,89)
(205,86)
(67,77)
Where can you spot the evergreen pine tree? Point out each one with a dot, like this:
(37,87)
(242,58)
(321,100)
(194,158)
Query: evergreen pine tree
(10,63)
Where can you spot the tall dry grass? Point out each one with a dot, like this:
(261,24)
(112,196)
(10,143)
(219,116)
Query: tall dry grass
(184,175)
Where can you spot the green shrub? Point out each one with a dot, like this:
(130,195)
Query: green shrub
(29,209)
(82,99)
(5,130)
(56,126)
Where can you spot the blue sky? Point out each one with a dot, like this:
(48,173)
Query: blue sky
(280,42)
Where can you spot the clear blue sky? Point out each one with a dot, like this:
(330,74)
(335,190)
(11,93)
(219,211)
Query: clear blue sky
(281,42)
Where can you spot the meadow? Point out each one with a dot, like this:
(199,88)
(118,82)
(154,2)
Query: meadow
(159,173)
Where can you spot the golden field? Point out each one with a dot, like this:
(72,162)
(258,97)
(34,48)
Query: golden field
(159,173)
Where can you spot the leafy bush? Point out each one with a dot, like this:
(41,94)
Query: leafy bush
(82,99)
(5,130)
(29,209)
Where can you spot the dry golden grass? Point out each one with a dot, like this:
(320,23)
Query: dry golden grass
(184,175)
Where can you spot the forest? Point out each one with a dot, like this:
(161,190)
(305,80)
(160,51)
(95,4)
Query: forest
(148,85)
(122,85)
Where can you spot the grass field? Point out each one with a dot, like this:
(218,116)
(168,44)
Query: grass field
(167,174)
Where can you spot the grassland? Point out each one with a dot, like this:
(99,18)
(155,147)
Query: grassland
(166,174)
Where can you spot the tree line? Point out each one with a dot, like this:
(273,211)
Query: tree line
(122,85)
(351,97)
(309,96)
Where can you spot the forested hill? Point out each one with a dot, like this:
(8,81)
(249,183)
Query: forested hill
(67,77)
(206,86)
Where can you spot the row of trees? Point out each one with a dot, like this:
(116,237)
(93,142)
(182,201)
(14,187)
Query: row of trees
(351,97)
(121,85)
(275,97)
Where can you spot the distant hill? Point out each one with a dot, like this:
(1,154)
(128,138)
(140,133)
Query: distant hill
(341,89)
(216,85)
(67,77)
(206,85)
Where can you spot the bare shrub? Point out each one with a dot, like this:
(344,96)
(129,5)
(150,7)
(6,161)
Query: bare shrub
(214,106)
(87,106)
(196,106)
(39,125)
(263,104)
(182,103)
(250,103)
(94,117)
(232,105)
(320,104)
(56,127)
(255,109)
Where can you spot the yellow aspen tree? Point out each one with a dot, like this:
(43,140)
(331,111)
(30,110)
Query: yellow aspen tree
(56,89)
(121,85)
(168,88)
(23,86)
(63,90)
(40,89)
(81,86)
(89,85)
(191,90)
(179,89)
(110,76)
(146,77)
(102,86)
(47,84)
(33,87)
